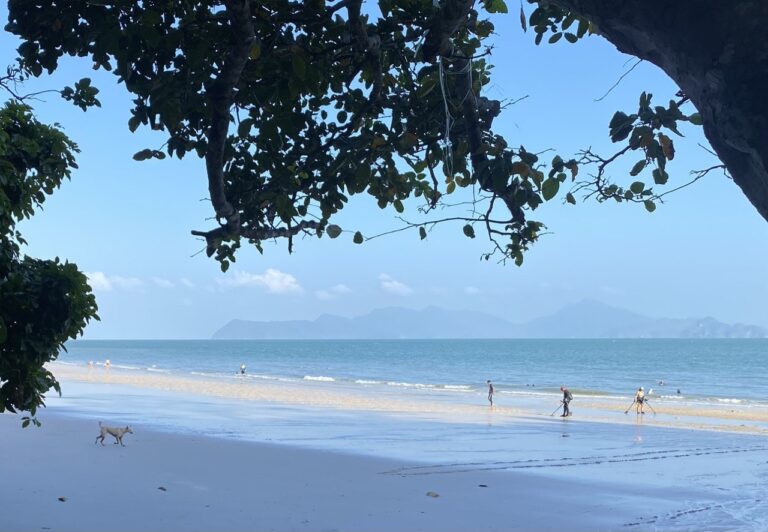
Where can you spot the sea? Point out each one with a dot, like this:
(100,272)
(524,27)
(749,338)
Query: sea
(707,370)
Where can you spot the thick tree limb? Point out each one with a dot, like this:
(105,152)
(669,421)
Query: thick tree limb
(453,13)
(221,95)
(717,53)
(214,236)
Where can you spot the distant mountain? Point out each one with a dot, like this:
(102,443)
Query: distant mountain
(385,323)
(593,319)
(586,319)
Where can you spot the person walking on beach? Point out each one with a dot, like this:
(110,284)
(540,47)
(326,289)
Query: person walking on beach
(639,400)
(491,391)
(567,398)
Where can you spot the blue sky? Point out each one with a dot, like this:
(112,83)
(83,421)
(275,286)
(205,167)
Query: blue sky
(702,253)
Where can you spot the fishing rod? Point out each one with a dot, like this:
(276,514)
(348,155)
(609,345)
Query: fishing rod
(556,409)
(630,406)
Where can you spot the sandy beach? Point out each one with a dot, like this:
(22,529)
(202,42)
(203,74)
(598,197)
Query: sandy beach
(162,481)
(208,462)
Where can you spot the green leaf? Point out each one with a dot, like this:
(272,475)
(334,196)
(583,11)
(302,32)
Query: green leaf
(637,187)
(422,232)
(333,230)
(142,155)
(299,66)
(398,205)
(695,119)
(660,176)
(469,231)
(3,331)
(571,38)
(255,51)
(649,205)
(570,199)
(358,238)
(549,188)
(523,22)
(639,165)
(496,6)
(583,28)
(555,37)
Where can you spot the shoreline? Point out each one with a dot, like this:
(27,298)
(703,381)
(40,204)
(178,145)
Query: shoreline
(450,405)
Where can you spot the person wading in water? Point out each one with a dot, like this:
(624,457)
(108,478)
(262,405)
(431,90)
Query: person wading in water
(491,391)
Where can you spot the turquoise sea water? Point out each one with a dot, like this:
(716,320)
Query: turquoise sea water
(719,371)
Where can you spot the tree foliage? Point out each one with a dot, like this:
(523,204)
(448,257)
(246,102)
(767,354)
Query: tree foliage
(43,303)
(295,106)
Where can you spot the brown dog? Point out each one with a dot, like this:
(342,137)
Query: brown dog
(116,432)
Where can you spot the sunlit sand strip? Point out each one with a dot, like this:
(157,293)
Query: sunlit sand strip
(300,394)
(730,418)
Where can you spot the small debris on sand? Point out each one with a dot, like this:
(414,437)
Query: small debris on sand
(432,494)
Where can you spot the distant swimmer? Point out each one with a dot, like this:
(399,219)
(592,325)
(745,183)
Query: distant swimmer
(662,383)
(90,363)
(107,363)
(567,398)
(242,369)
(491,391)
(678,391)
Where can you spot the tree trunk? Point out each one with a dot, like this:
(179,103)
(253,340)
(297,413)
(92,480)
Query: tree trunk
(717,53)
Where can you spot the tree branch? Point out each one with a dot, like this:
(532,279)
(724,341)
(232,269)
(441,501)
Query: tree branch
(221,95)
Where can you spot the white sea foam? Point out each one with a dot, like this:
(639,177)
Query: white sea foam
(123,366)
(410,384)
(458,388)
(320,378)
(364,381)
(730,401)
(158,370)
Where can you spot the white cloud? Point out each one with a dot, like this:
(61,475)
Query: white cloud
(186,282)
(162,283)
(471,290)
(99,281)
(393,286)
(128,283)
(332,292)
(104,283)
(275,281)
